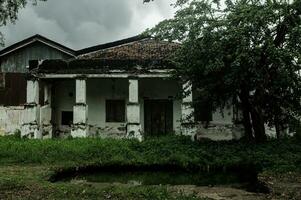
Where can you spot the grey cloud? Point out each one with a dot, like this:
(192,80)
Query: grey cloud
(82,23)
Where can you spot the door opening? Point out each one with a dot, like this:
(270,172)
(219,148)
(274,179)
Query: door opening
(158,117)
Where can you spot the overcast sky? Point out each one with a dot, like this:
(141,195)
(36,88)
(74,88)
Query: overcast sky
(83,23)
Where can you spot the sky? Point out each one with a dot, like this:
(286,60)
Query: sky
(82,23)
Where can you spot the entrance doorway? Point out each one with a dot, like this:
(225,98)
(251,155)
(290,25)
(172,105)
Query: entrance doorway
(158,117)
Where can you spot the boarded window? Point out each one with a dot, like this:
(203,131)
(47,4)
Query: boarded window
(115,111)
(67,118)
(12,89)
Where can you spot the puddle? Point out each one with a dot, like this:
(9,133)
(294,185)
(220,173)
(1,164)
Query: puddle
(246,180)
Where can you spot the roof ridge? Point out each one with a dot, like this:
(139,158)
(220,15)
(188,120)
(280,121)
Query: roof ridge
(111,44)
(32,39)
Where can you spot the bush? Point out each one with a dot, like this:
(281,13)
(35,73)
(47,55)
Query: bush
(284,155)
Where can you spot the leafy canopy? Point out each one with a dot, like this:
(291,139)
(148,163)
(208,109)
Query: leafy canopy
(9,11)
(246,49)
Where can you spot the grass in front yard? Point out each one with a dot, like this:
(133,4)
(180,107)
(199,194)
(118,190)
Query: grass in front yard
(284,155)
(26,165)
(30,182)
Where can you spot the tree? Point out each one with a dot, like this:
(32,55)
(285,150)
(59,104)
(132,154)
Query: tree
(9,12)
(248,50)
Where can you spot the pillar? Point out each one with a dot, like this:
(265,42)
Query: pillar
(30,127)
(187,124)
(133,111)
(46,114)
(80,126)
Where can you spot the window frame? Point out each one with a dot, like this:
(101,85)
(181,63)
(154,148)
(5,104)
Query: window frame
(111,106)
(65,111)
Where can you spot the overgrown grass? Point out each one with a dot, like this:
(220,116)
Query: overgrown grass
(284,155)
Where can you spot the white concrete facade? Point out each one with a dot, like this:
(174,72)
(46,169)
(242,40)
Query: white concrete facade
(133,91)
(85,98)
(31,116)
(133,127)
(46,113)
(10,119)
(80,110)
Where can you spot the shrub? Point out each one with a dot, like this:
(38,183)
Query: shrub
(284,155)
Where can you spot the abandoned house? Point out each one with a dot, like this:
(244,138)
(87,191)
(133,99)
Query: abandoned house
(118,89)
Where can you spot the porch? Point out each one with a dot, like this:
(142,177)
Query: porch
(106,105)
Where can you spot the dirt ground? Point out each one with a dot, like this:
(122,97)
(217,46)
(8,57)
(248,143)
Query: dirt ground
(30,182)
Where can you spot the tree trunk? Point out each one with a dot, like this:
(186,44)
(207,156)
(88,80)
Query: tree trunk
(279,128)
(247,124)
(254,123)
(244,97)
(258,125)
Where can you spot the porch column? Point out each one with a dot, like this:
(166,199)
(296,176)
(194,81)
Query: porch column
(46,113)
(187,125)
(80,110)
(30,127)
(133,111)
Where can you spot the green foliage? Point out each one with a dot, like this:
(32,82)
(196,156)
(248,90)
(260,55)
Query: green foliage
(9,12)
(17,133)
(298,131)
(282,155)
(249,50)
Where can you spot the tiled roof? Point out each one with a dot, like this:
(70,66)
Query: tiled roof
(144,49)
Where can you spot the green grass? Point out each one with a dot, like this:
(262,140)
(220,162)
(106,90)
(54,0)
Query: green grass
(284,155)
(26,165)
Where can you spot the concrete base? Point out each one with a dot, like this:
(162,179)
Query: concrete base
(47,131)
(188,129)
(10,119)
(30,127)
(31,131)
(80,131)
(219,132)
(80,127)
(134,132)
(46,126)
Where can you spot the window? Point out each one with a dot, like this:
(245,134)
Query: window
(115,111)
(203,111)
(67,118)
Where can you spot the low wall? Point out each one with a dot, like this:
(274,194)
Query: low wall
(219,131)
(225,131)
(10,119)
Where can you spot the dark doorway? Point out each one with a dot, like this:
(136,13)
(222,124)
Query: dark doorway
(158,117)
(67,118)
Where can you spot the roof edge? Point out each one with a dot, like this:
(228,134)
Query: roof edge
(111,44)
(35,38)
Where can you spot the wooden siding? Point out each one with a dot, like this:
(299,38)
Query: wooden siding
(18,60)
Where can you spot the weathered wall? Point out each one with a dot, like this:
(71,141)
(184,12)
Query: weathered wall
(221,127)
(98,90)
(63,99)
(13,68)
(10,119)
(224,117)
